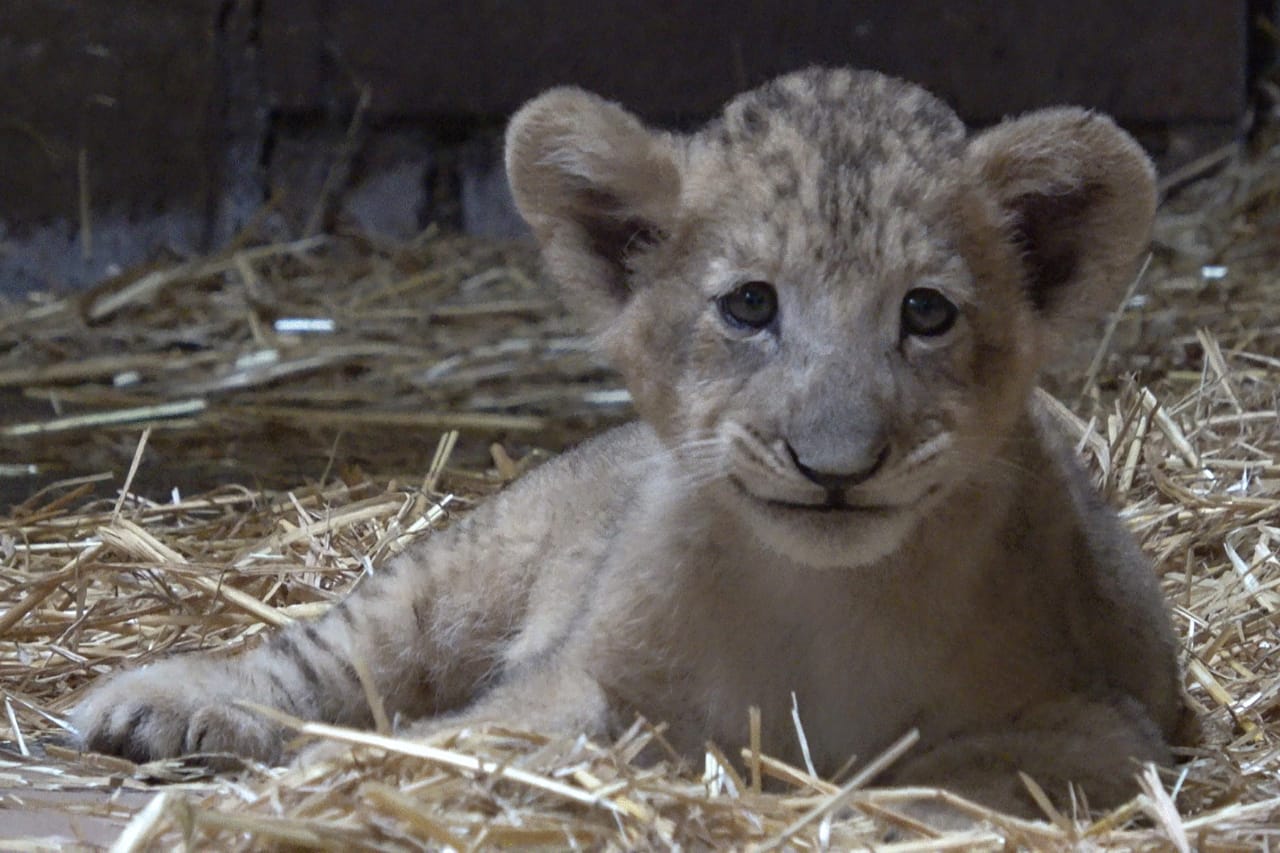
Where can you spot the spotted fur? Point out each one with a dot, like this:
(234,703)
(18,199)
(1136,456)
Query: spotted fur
(831,505)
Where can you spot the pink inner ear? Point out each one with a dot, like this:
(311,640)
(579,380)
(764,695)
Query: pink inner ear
(1050,229)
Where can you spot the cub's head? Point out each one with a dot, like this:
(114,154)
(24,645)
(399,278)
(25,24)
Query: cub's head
(832,301)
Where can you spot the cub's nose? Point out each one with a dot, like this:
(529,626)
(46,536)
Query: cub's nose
(840,480)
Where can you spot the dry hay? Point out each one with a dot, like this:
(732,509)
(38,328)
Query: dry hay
(1178,416)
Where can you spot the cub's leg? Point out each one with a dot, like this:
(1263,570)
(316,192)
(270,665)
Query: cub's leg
(1097,745)
(555,697)
(436,628)
(431,627)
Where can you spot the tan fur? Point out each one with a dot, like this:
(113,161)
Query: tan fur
(962,578)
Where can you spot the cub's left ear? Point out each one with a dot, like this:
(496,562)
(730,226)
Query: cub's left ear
(1079,197)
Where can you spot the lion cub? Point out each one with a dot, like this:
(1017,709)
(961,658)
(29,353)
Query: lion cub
(829,306)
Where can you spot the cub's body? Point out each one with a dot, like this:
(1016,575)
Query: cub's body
(829,306)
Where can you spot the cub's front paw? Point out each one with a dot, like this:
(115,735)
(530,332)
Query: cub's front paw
(165,710)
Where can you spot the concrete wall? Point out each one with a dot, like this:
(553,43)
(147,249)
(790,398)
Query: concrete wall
(134,128)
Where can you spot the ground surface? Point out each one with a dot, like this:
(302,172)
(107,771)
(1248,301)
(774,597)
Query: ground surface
(184,469)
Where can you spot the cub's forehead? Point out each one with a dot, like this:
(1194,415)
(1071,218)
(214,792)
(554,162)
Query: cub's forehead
(851,162)
(859,112)
(830,128)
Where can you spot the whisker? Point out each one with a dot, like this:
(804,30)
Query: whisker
(684,453)
(928,449)
(693,485)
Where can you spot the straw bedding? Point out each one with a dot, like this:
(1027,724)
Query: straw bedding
(204,450)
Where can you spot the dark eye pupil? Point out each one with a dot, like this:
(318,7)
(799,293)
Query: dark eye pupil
(753,304)
(926,312)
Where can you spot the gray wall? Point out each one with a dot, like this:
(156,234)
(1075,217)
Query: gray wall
(130,129)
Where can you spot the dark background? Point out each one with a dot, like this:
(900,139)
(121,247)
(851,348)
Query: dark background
(135,129)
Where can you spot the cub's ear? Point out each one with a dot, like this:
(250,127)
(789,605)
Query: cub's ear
(596,186)
(1079,197)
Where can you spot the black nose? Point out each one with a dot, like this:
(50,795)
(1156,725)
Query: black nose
(839,480)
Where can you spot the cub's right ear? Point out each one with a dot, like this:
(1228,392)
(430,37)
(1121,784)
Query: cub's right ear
(596,186)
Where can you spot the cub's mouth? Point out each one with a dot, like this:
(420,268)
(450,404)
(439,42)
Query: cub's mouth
(835,503)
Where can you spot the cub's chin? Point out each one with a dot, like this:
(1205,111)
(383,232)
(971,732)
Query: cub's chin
(821,536)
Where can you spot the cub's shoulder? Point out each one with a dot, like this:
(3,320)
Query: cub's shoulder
(618,457)
(590,479)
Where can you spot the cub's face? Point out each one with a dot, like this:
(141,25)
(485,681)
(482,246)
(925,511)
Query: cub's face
(830,302)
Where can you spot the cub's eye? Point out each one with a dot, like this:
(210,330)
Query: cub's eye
(926,312)
(753,304)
